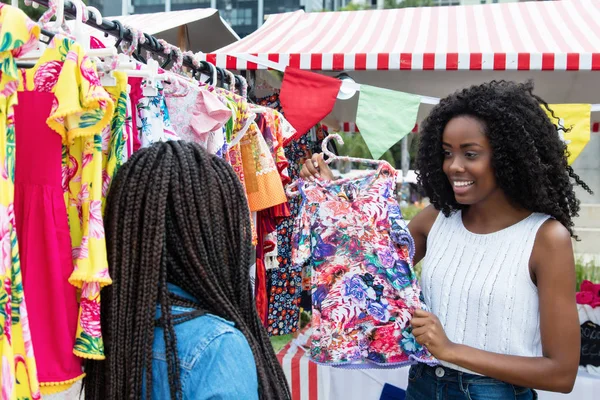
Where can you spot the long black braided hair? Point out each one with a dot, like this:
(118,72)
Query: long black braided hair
(175,214)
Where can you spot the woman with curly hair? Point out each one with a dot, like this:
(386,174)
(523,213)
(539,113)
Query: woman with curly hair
(498,265)
(179,320)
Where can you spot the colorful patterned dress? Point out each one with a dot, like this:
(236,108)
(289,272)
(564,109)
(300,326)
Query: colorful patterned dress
(115,136)
(18,376)
(364,289)
(285,281)
(153,120)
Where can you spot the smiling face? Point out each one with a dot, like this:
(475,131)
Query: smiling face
(468,160)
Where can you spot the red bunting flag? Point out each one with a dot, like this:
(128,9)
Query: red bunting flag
(307,98)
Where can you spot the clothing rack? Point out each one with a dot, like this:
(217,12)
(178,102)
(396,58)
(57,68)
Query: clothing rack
(116,29)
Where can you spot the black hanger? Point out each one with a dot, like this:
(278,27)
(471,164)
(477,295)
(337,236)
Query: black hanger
(168,60)
(47,34)
(220,76)
(121,31)
(211,73)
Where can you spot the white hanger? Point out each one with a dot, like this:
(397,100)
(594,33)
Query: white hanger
(289,190)
(149,72)
(82,37)
(332,157)
(60,15)
(78,31)
(97,15)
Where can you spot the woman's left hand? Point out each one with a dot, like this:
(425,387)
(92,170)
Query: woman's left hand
(428,332)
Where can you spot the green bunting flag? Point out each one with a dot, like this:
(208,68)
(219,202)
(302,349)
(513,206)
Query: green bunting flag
(385,116)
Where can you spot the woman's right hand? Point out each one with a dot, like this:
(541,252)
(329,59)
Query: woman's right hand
(316,167)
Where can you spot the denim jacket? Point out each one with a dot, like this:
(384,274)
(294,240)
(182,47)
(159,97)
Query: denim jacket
(215,359)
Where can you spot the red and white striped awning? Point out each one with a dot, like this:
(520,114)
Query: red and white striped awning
(546,35)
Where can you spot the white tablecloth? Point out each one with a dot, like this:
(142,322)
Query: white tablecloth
(314,382)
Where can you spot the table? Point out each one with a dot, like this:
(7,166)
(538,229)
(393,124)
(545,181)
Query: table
(310,381)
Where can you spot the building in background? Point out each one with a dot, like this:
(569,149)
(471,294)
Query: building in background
(244,16)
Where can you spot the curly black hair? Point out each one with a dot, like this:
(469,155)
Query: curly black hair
(528,156)
(175,214)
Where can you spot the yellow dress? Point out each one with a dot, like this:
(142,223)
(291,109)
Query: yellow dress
(18,35)
(81,111)
(113,135)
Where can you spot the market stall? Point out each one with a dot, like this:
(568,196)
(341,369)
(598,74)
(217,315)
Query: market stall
(431,52)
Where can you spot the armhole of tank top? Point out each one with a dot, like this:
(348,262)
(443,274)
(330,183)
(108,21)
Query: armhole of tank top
(530,244)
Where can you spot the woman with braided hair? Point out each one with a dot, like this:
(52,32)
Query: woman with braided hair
(179,321)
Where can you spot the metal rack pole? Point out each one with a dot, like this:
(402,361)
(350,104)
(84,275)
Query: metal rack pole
(111,28)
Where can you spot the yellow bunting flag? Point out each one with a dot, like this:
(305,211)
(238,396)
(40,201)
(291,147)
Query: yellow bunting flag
(573,121)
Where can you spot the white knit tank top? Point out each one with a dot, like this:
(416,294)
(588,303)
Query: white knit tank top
(480,288)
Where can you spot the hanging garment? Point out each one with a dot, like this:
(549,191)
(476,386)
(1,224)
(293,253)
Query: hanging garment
(129,130)
(285,282)
(45,240)
(154,123)
(196,113)
(364,290)
(18,376)
(263,184)
(266,252)
(276,131)
(81,109)
(235,130)
(115,136)
(135,96)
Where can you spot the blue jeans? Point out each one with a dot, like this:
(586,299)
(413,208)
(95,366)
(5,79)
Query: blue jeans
(439,383)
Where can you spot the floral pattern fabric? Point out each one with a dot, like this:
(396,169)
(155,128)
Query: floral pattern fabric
(153,120)
(81,110)
(198,115)
(115,136)
(364,289)
(18,375)
(285,281)
(263,184)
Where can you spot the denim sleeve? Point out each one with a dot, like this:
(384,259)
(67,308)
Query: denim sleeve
(224,370)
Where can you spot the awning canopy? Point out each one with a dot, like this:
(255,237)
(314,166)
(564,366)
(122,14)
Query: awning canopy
(547,35)
(200,29)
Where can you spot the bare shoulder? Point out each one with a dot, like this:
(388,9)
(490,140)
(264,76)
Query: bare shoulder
(423,221)
(553,235)
(552,249)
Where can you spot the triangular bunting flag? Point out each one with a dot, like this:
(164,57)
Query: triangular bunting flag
(385,116)
(307,98)
(574,118)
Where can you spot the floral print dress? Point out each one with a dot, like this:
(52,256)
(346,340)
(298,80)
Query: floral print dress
(364,289)
(115,137)
(285,281)
(153,120)
(18,375)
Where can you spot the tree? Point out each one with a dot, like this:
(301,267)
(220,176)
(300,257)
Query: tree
(355,7)
(408,3)
(33,13)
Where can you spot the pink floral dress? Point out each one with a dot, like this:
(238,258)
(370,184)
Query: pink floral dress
(364,289)
(18,375)
(80,110)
